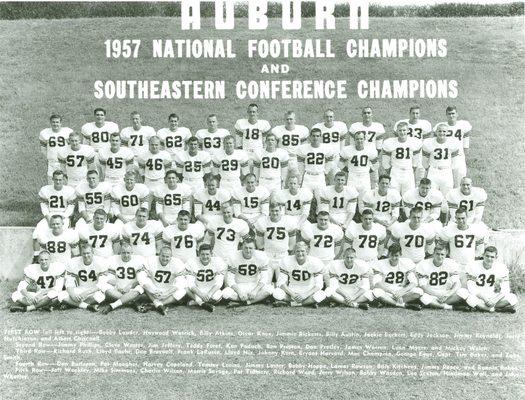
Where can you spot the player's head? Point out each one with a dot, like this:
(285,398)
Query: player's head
(171,178)
(452,113)
(86,251)
(328,116)
(301,251)
(154,144)
(292,181)
(466,185)
(229,144)
(340,179)
(56,223)
(402,131)
(424,186)
(58,179)
(165,255)
(193,145)
(75,140)
(126,251)
(414,112)
(490,254)
(289,118)
(227,212)
(441,132)
(461,217)
(349,256)
(253,111)
(100,115)
(173,121)
(205,253)
(114,140)
(212,183)
(323,219)
(315,136)
(55,121)
(141,216)
(129,179)
(394,252)
(212,122)
(275,211)
(367,114)
(99,217)
(440,253)
(43,259)
(183,219)
(250,182)
(359,140)
(367,218)
(416,214)
(92,178)
(248,247)
(271,141)
(136,119)
(383,183)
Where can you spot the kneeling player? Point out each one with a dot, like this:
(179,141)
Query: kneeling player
(439,279)
(82,275)
(120,285)
(483,278)
(163,280)
(248,276)
(40,286)
(395,281)
(205,277)
(300,280)
(350,281)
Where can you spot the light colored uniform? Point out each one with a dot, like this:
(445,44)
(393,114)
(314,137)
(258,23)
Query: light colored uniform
(59,247)
(193,168)
(442,160)
(40,283)
(76,162)
(276,236)
(420,130)
(115,164)
(227,235)
(184,243)
(56,202)
(374,133)
(460,132)
(127,202)
(143,239)
(301,278)
(431,205)
(137,140)
(154,167)
(365,242)
(474,203)
(413,242)
(90,199)
(169,279)
(80,277)
(340,205)
(298,205)
(125,273)
(323,242)
(317,163)
(359,163)
(247,274)
(350,280)
(204,277)
(402,158)
(174,142)
(482,281)
(463,243)
(53,142)
(333,137)
(212,142)
(99,138)
(290,141)
(251,204)
(252,134)
(170,201)
(231,167)
(385,207)
(100,240)
(273,167)
(441,278)
(395,277)
(210,205)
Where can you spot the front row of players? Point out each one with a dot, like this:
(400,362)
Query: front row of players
(246,278)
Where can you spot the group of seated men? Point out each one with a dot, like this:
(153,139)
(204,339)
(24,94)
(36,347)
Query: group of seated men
(312,210)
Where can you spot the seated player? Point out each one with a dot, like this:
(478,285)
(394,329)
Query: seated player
(226,232)
(153,164)
(76,160)
(248,276)
(488,284)
(120,284)
(144,235)
(295,199)
(92,195)
(208,202)
(250,201)
(230,164)
(40,286)
(270,164)
(115,161)
(290,136)
(212,137)
(366,238)
(300,279)
(61,244)
(385,201)
(429,199)
(56,199)
(183,237)
(163,280)
(471,197)
(440,281)
(339,200)
(350,281)
(172,198)
(82,276)
(395,281)
(127,198)
(52,140)
(315,162)
(205,278)
(193,165)
(102,236)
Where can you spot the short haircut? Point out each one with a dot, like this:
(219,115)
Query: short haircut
(394,249)
(441,125)
(173,115)
(271,135)
(99,109)
(384,176)
(323,214)
(55,116)
(253,105)
(491,249)
(100,211)
(425,181)
(212,178)
(204,247)
(440,246)
(315,130)
(129,174)
(349,250)
(461,210)
(154,138)
(248,240)
(114,134)
(193,139)
(451,108)
(184,213)
(166,249)
(211,116)
(228,137)
(340,173)
(367,211)
(74,134)
(142,209)
(416,107)
(58,172)
(44,252)
(134,113)
(57,216)
(85,247)
(249,175)
(170,172)
(416,209)
(288,113)
(401,124)
(92,172)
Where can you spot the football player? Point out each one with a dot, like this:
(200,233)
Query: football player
(136,136)
(211,139)
(333,133)
(414,237)
(52,140)
(315,162)
(250,201)
(183,237)
(76,159)
(115,161)
(154,163)
(145,236)
(61,244)
(226,232)
(103,237)
(127,198)
(323,238)
(339,200)
(470,197)
(373,131)
(290,136)
(208,202)
(270,165)
(175,137)
(97,134)
(367,238)
(429,199)
(384,201)
(251,130)
(92,195)
(172,198)
(56,199)
(230,165)
(193,165)
(295,199)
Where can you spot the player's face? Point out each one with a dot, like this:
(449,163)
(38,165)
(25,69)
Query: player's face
(98,220)
(43,260)
(100,117)
(56,123)
(253,112)
(247,250)
(115,142)
(322,221)
(452,115)
(383,185)
(461,220)
(300,253)
(229,145)
(136,120)
(193,147)
(315,137)
(340,181)
(154,146)
(424,189)
(92,180)
(441,134)
(415,218)
(289,120)
(171,180)
(402,132)
(165,257)
(56,225)
(394,258)
(129,181)
(174,123)
(74,142)
(349,259)
(329,117)
(439,257)
(212,124)
(183,221)
(466,186)
(211,185)
(250,183)
(58,182)
(275,212)
(414,114)
(271,142)
(359,141)
(125,253)
(367,114)
(367,220)
(227,213)
(141,218)
(87,255)
(293,184)
(205,256)
(488,259)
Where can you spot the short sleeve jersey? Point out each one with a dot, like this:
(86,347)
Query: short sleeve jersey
(184,242)
(99,138)
(252,134)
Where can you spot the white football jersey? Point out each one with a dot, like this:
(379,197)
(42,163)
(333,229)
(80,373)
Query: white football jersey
(252,203)
(412,241)
(100,240)
(333,136)
(210,204)
(463,243)
(54,141)
(59,246)
(193,167)
(365,242)
(301,277)
(419,130)
(229,166)
(322,241)
(205,275)
(252,134)
(290,140)
(173,200)
(94,198)
(350,278)
(401,155)
(487,280)
(399,275)
(164,276)
(76,161)
(115,163)
(270,164)
(212,141)
(276,234)
(227,235)
(52,278)
(431,203)
(383,206)
(99,138)
(249,271)
(316,159)
(335,202)
(441,277)
(126,272)
(358,162)
(184,242)
(460,131)
(174,141)
(143,239)
(128,201)
(440,154)
(298,204)
(80,274)
(137,140)
(57,201)
(476,198)
(373,133)
(154,164)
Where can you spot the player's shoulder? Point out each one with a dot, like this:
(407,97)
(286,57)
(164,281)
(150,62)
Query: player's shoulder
(479,193)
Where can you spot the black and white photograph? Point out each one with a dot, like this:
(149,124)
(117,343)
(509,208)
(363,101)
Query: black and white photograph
(264,199)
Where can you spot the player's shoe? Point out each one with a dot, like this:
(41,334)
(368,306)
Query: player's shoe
(141,308)
(17,308)
(280,303)
(105,309)
(363,306)
(413,306)
(208,307)
(510,310)
(192,303)
(464,308)
(92,308)
(64,306)
(333,304)
(48,308)
(233,304)
(161,309)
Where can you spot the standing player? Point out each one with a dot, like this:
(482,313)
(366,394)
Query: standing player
(295,199)
(415,238)
(184,238)
(92,195)
(211,139)
(439,159)
(230,165)
(40,286)
(367,238)
(439,279)
(470,197)
(52,140)
(395,281)
(290,137)
(115,161)
(339,200)
(163,280)
(127,198)
(56,199)
(384,201)
(76,159)
(248,276)
(270,165)
(333,133)
(250,201)
(61,244)
(300,279)
(137,135)
(315,162)
(428,199)
(97,134)
(459,130)
(193,165)
(145,236)
(174,137)
(350,281)
(205,278)
(484,277)
(172,198)
(360,162)
(103,237)
(208,202)
(373,131)
(323,238)
(120,284)
(251,130)
(82,276)
(154,163)
(225,232)
(400,159)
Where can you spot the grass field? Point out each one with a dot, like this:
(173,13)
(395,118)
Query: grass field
(49,66)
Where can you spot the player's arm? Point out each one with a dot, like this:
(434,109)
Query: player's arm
(283,281)
(259,239)
(44,206)
(245,168)
(385,161)
(256,166)
(300,167)
(292,236)
(82,208)
(351,208)
(264,207)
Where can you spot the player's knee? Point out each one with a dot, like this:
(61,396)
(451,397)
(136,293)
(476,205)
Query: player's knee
(99,296)
(179,294)
(17,296)
(426,299)
(229,294)
(63,295)
(512,299)
(463,293)
(279,294)
(217,296)
(319,296)
(330,290)
(378,292)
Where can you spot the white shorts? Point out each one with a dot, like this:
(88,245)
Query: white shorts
(349,291)
(105,286)
(442,179)
(195,184)
(402,180)
(230,184)
(153,184)
(17,296)
(272,184)
(378,292)
(360,182)
(313,182)
(281,295)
